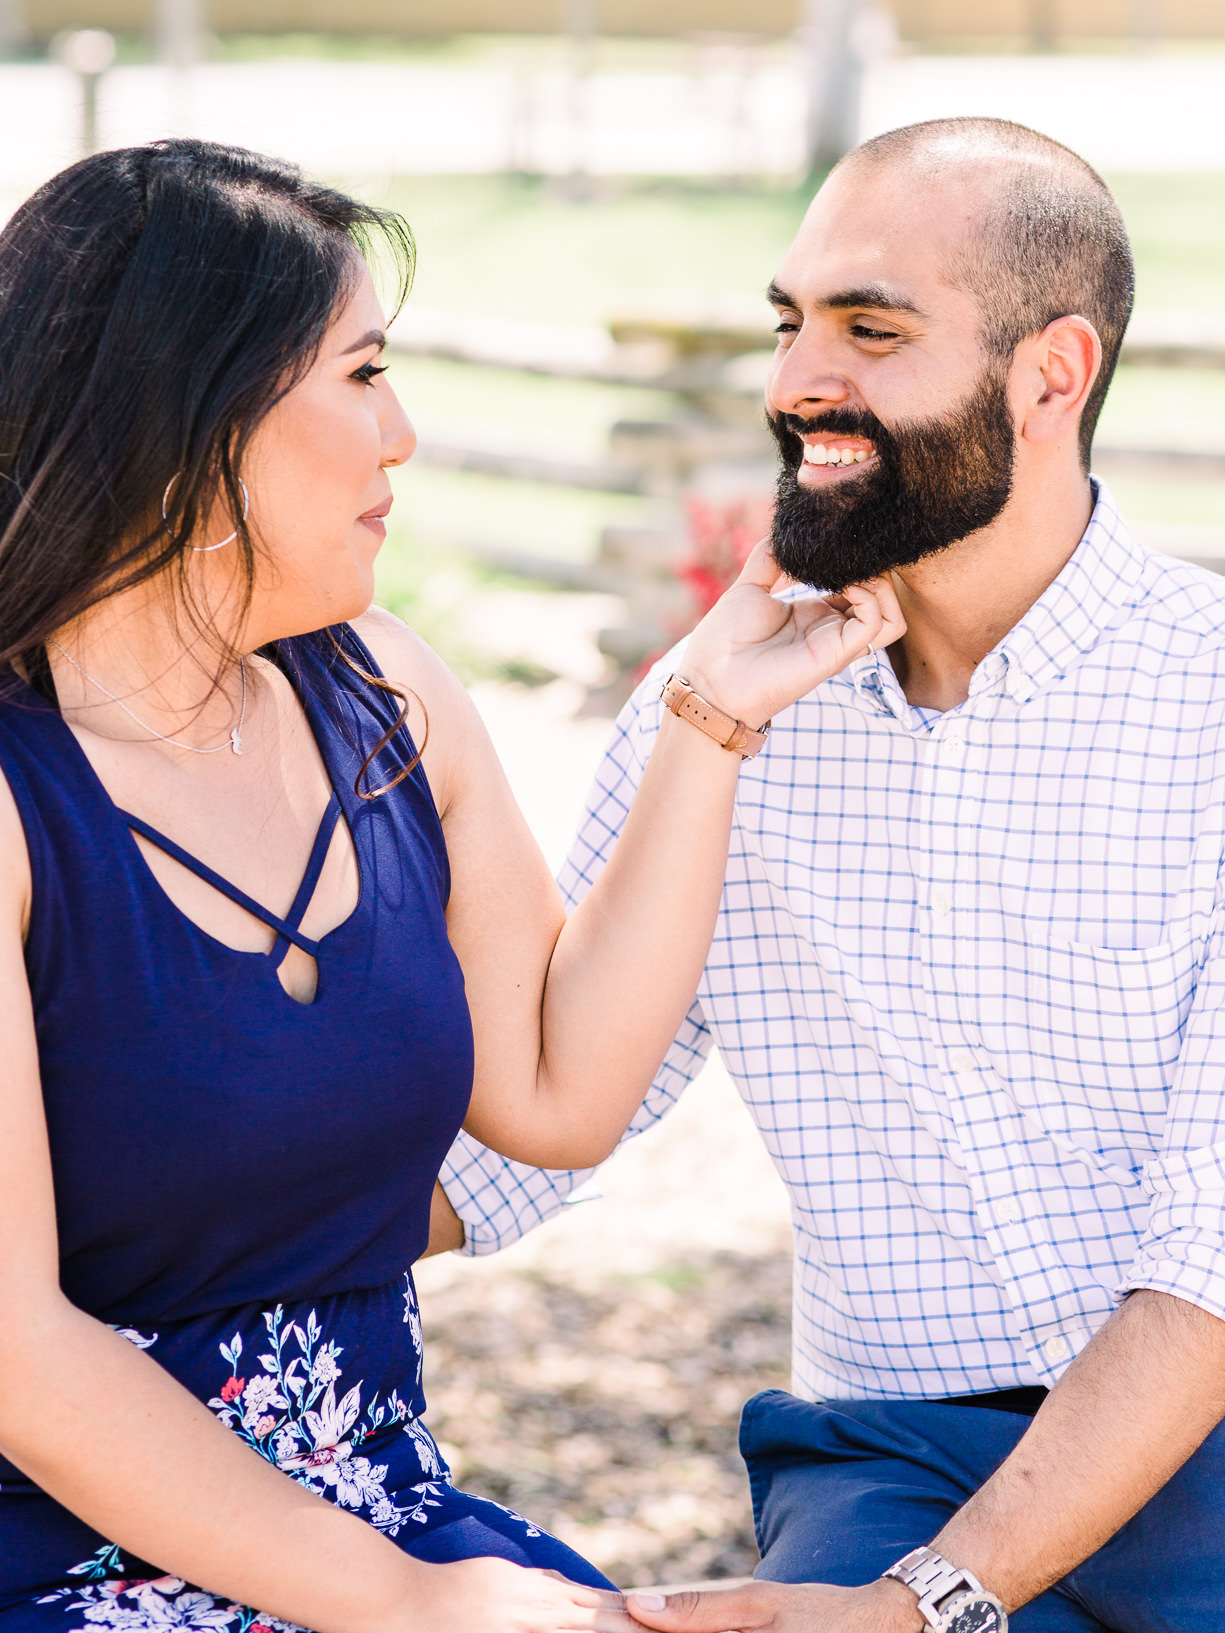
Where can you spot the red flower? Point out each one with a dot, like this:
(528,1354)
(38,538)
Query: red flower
(259,1627)
(233,1388)
(720,537)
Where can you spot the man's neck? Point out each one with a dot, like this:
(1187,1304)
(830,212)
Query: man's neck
(960,604)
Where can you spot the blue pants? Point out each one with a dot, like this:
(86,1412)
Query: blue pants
(842,1489)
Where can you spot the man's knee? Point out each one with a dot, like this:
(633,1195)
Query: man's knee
(842,1490)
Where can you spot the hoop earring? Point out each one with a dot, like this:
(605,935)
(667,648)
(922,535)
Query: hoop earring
(229,538)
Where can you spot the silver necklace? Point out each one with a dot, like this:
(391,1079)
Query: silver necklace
(233,742)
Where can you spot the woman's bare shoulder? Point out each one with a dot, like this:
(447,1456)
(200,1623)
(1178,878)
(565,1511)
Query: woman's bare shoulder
(441,714)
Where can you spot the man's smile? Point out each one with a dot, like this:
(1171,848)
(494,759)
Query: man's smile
(827,458)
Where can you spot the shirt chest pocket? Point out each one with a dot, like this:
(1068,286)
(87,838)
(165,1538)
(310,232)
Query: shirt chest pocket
(1098,1028)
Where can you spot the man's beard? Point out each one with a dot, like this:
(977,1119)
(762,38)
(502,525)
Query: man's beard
(932,483)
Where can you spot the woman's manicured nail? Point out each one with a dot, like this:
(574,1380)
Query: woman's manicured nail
(648,1601)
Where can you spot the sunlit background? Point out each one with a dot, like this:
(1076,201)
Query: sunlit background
(600,191)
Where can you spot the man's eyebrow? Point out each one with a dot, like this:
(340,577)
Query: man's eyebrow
(876,297)
(373,337)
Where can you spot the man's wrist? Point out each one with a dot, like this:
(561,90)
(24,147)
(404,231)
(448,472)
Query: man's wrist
(900,1611)
(948,1598)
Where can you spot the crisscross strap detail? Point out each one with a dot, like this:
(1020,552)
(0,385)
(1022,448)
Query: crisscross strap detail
(286,928)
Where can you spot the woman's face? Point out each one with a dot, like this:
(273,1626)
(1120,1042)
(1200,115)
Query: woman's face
(317,479)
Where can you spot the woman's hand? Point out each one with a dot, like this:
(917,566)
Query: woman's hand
(494,1596)
(752,654)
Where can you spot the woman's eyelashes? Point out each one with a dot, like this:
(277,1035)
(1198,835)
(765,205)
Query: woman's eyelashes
(368,373)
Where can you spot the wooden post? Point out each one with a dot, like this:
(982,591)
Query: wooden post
(1147,24)
(13,30)
(1043,28)
(88,53)
(579,25)
(179,26)
(833,74)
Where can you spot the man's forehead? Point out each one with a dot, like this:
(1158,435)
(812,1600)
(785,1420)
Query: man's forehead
(872,232)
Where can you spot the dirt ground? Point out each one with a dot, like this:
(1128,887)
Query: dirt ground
(608,1412)
(592,1375)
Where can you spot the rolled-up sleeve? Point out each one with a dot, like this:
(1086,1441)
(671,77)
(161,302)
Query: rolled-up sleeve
(498,1201)
(1182,1251)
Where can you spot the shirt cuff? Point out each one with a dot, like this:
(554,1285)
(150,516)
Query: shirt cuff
(1183,1249)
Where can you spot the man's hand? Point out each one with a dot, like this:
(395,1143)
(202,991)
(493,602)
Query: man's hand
(780,1607)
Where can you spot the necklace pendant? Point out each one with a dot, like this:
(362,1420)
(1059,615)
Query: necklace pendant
(236,741)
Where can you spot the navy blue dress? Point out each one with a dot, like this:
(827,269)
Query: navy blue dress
(243,1181)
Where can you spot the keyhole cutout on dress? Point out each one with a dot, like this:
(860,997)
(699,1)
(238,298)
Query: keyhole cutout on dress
(298,973)
(326,898)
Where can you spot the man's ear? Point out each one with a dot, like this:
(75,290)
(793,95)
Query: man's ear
(1057,368)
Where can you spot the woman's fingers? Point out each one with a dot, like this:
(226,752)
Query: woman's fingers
(608,1617)
(491,1595)
(614,1621)
(580,1609)
(874,608)
(591,1598)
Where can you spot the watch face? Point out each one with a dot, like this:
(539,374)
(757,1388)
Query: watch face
(975,1614)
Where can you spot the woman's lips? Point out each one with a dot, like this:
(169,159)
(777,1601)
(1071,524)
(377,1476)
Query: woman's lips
(375,518)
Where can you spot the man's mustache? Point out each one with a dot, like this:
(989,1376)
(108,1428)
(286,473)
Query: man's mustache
(843,422)
(839,422)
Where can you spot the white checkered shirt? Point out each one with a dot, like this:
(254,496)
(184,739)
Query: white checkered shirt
(968,976)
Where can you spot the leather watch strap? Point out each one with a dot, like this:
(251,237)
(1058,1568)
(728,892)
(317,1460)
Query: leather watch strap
(726,730)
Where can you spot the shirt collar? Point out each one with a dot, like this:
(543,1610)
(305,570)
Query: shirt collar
(1102,577)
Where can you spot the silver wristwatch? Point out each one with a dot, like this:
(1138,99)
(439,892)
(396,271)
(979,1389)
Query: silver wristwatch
(951,1600)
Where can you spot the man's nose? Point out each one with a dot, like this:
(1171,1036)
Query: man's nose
(802,379)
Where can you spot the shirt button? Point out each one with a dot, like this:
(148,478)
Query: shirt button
(1055,1348)
(942,903)
(1008,1212)
(952,748)
(963,1061)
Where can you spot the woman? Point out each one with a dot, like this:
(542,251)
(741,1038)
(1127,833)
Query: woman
(240,1033)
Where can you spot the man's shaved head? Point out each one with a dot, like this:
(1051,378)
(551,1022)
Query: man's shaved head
(1049,242)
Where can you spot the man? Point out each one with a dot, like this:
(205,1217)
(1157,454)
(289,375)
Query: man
(970,961)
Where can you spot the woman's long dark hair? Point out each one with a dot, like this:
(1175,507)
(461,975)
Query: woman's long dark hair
(155,303)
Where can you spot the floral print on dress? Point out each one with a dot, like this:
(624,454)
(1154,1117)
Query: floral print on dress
(134,1337)
(286,1395)
(291,1411)
(156,1605)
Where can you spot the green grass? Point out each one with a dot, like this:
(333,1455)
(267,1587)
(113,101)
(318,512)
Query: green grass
(519,248)
(1177,226)
(1165,408)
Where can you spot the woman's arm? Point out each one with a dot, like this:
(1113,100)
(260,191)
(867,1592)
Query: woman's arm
(107,1432)
(572,1018)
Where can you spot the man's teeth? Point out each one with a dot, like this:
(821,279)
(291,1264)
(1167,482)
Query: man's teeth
(819,454)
